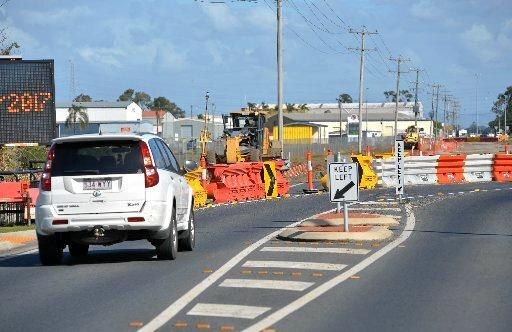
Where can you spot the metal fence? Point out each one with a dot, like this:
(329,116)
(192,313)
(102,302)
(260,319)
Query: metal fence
(298,149)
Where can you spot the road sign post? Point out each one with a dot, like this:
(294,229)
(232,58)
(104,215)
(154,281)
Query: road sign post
(343,188)
(399,167)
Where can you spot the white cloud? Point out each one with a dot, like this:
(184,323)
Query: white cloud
(262,17)
(55,17)
(425,9)
(104,55)
(125,51)
(221,17)
(487,46)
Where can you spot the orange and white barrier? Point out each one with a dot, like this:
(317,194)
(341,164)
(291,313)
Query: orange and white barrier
(446,169)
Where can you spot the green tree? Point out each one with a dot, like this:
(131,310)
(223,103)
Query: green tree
(405,95)
(251,105)
(303,108)
(290,107)
(77,114)
(142,99)
(127,95)
(344,98)
(162,103)
(502,105)
(83,98)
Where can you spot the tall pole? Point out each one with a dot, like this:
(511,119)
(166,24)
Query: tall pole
(191,107)
(432,112)
(398,60)
(476,102)
(437,108)
(280,74)
(363,32)
(416,98)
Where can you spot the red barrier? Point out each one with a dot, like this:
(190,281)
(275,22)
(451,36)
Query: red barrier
(450,169)
(13,192)
(241,182)
(502,168)
(282,184)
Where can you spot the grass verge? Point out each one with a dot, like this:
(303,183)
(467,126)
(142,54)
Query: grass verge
(17,228)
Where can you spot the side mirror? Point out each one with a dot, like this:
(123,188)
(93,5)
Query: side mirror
(190,165)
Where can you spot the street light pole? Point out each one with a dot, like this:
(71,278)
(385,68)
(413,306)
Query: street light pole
(280,74)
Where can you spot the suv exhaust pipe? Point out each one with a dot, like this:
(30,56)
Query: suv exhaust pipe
(98,232)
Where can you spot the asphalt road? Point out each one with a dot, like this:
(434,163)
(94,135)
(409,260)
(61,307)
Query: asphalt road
(452,273)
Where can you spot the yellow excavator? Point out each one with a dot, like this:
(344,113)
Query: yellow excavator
(247,139)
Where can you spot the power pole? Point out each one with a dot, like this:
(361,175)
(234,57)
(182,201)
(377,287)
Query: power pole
(476,102)
(280,75)
(363,32)
(435,92)
(417,70)
(398,60)
(191,107)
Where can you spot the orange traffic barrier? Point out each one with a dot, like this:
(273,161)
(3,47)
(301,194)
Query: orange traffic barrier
(502,168)
(450,169)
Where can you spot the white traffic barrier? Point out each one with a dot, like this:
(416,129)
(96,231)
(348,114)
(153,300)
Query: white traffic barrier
(418,170)
(478,167)
(421,169)
(385,170)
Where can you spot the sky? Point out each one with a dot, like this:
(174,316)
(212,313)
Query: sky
(182,48)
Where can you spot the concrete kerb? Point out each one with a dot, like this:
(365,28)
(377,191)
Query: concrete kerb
(318,229)
(12,242)
(375,233)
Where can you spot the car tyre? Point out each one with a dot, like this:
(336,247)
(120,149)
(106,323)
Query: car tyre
(168,249)
(188,242)
(78,250)
(50,249)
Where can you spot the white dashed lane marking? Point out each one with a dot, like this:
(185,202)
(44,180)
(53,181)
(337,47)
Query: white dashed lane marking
(227,310)
(267,284)
(295,265)
(349,251)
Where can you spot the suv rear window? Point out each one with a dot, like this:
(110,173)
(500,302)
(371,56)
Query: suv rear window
(97,158)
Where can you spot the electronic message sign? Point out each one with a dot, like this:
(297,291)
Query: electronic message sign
(27,101)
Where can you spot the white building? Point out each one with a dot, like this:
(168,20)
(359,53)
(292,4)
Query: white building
(119,116)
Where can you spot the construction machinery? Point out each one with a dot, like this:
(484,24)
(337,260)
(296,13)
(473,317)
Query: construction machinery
(245,140)
(411,137)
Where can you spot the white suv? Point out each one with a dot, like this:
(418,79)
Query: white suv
(105,189)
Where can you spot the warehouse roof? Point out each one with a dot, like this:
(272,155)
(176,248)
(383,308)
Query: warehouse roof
(93,104)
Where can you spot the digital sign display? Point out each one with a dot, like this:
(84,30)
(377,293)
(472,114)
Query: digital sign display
(27,101)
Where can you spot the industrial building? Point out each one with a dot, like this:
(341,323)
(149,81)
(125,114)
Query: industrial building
(323,121)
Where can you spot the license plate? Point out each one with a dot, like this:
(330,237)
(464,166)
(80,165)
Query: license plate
(97,184)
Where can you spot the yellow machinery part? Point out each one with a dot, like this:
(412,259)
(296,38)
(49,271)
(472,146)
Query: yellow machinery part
(194,181)
(366,173)
(269,177)
(368,178)
(233,154)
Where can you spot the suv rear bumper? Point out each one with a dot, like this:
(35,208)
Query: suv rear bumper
(152,212)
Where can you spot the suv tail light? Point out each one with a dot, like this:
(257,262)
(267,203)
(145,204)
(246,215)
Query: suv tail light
(46,178)
(150,173)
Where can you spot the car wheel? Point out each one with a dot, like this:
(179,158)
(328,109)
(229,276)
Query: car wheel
(168,249)
(77,250)
(188,242)
(50,249)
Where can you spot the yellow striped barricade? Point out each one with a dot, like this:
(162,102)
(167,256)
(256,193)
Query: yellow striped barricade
(478,167)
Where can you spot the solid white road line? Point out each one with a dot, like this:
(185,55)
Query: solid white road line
(349,251)
(377,208)
(227,310)
(267,284)
(295,265)
(295,185)
(323,288)
(189,296)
